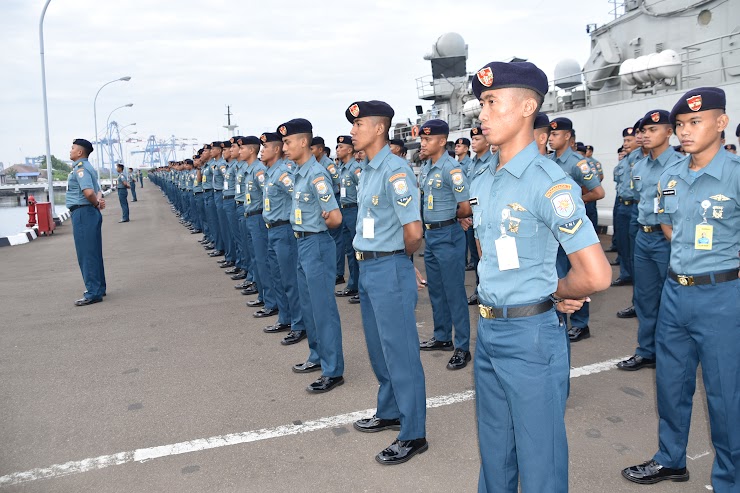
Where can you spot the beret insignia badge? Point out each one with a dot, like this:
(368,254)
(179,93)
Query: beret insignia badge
(655,117)
(485,76)
(354,110)
(694,102)
(427,130)
(475,131)
(283,130)
(554,125)
(263,138)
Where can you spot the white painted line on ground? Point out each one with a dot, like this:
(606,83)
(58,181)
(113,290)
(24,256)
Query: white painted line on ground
(197,445)
(699,456)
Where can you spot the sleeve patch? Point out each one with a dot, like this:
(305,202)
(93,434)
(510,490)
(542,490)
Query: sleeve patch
(396,176)
(456,170)
(325,198)
(286,180)
(460,188)
(404,201)
(557,188)
(283,176)
(457,178)
(584,167)
(322,188)
(563,205)
(400,187)
(80,173)
(358,171)
(318,179)
(571,227)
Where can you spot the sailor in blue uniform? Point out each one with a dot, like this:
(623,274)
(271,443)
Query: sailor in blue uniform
(319,151)
(84,201)
(626,204)
(445,199)
(198,195)
(239,271)
(282,248)
(229,206)
(388,232)
(122,188)
(524,204)
(218,198)
(208,200)
(651,250)
(699,318)
(349,177)
(314,211)
(132,182)
(580,171)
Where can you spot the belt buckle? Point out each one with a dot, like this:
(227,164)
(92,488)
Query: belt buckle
(685,280)
(297,235)
(267,225)
(427,226)
(647,229)
(486,311)
(359,255)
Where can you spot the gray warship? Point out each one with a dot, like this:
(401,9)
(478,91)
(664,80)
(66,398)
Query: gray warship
(648,55)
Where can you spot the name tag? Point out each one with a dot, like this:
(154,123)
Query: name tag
(430,202)
(298,217)
(248,198)
(703,237)
(343,192)
(656,205)
(238,188)
(267,205)
(368,227)
(508,257)
(226,183)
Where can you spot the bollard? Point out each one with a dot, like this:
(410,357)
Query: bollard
(31,212)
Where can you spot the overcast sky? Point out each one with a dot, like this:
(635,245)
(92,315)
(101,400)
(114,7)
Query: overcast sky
(271,61)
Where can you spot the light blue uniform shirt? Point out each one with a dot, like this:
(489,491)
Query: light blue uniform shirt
(82,177)
(466,163)
(240,170)
(349,177)
(254,181)
(477,164)
(646,173)
(219,169)
(625,185)
(123,176)
(681,198)
(544,207)
(197,184)
(229,179)
(387,194)
(277,194)
(445,186)
(327,163)
(577,167)
(207,171)
(312,194)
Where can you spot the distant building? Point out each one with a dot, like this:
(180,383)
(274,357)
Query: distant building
(24,173)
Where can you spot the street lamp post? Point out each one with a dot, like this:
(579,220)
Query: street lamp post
(49,171)
(110,146)
(95,109)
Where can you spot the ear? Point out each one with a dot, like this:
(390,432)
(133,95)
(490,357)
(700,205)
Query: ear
(529,108)
(722,122)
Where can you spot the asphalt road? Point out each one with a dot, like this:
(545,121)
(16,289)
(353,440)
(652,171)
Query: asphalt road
(89,395)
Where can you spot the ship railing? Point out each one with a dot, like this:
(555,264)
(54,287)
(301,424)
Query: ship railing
(703,53)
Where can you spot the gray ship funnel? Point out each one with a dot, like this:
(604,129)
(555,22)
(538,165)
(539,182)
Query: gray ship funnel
(567,74)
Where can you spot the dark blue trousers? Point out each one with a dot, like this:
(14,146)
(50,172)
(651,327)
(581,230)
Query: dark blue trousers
(349,230)
(211,218)
(338,236)
(123,200)
(229,217)
(218,199)
(282,257)
(700,324)
(248,262)
(652,254)
(444,259)
(388,297)
(133,189)
(581,317)
(87,223)
(200,221)
(262,276)
(317,262)
(622,237)
(472,247)
(521,380)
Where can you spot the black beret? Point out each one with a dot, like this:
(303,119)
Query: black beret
(270,137)
(435,127)
(196,156)
(344,139)
(731,147)
(397,142)
(737,131)
(235,139)
(638,125)
(295,126)
(216,143)
(580,147)
(463,141)
(628,132)
(561,124)
(188,161)
(589,147)
(498,75)
(361,109)
(655,117)
(207,146)
(225,144)
(85,144)
(699,99)
(318,141)
(541,120)
(250,140)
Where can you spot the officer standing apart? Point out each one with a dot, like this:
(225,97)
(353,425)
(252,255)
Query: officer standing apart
(122,189)
(85,202)
(525,205)
(699,318)
(132,182)
(445,200)
(349,177)
(314,212)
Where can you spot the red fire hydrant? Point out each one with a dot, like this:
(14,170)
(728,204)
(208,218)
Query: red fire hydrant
(31,212)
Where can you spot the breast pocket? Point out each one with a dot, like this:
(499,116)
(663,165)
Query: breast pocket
(524,229)
(670,204)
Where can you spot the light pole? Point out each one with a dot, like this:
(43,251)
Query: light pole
(107,126)
(95,109)
(49,171)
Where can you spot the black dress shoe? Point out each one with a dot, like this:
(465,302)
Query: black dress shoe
(226,265)
(123,221)
(375,424)
(355,300)
(278,327)
(401,451)
(627,313)
(195,232)
(575,334)
(621,282)
(614,262)
(470,267)
(435,345)
(611,249)
(222,261)
(255,303)
(325,384)
(339,280)
(651,472)
(345,292)
(233,270)
(249,291)
(216,253)
(293,337)
(87,301)
(209,247)
(265,312)
(459,359)
(473,300)
(244,285)
(306,367)
(240,275)
(636,362)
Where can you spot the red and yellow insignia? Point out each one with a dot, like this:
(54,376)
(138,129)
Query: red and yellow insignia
(554,125)
(341,139)
(655,117)
(263,138)
(231,140)
(283,130)
(629,131)
(354,110)
(694,102)
(475,131)
(427,130)
(485,76)
(459,141)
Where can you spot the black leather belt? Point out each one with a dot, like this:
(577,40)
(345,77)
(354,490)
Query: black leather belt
(303,234)
(440,224)
(515,311)
(229,197)
(628,202)
(196,193)
(348,206)
(239,202)
(653,228)
(75,207)
(373,255)
(700,280)
(253,213)
(277,223)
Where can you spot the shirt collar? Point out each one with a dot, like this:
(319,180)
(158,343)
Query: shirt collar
(441,161)
(486,156)
(564,157)
(379,157)
(303,169)
(519,163)
(714,168)
(664,157)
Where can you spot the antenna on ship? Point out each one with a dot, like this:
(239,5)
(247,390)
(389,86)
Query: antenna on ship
(231,128)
